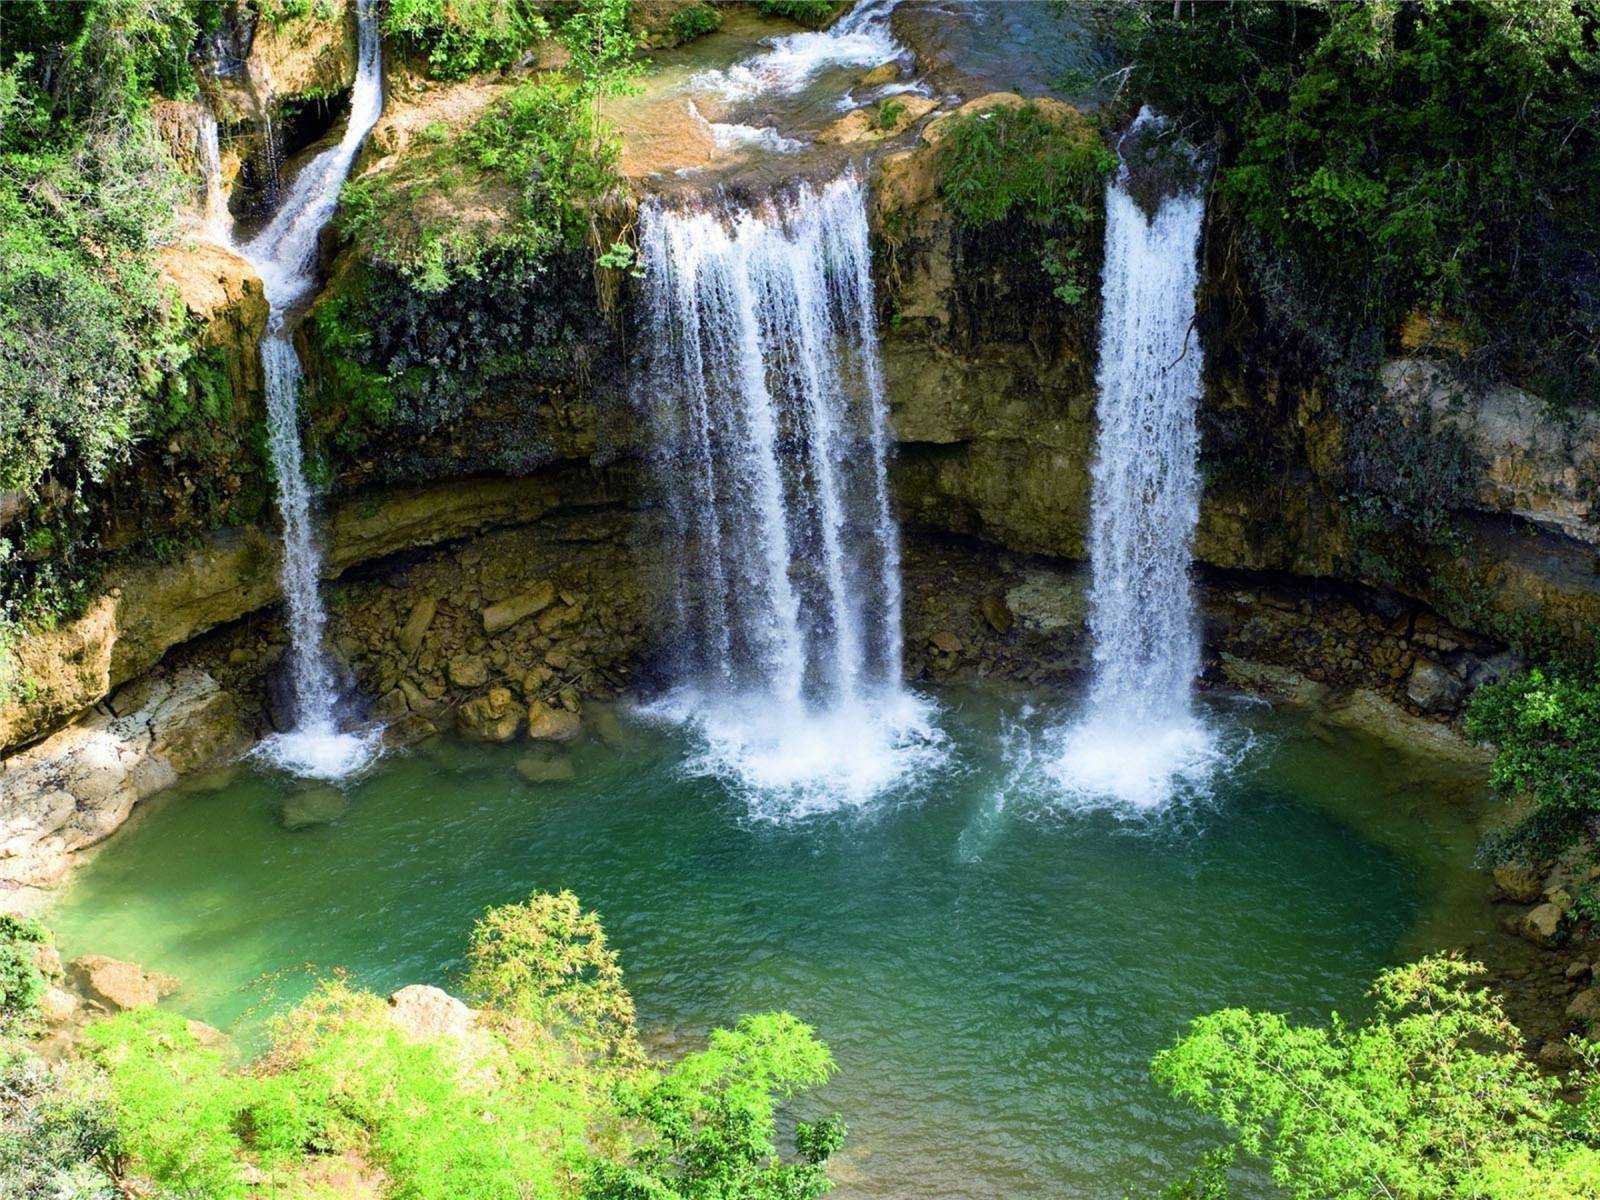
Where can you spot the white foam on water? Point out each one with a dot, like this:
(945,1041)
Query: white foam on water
(1140,741)
(731,136)
(760,376)
(321,751)
(860,38)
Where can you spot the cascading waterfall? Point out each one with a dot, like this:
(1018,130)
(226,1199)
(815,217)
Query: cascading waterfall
(860,38)
(284,254)
(761,373)
(1141,739)
(214,198)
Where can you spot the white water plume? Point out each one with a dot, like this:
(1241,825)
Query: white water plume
(860,38)
(761,375)
(1140,741)
(284,254)
(730,136)
(214,220)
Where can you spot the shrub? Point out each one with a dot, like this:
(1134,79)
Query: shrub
(22,984)
(458,38)
(1546,729)
(690,23)
(813,14)
(1430,1097)
(57,1139)
(1024,165)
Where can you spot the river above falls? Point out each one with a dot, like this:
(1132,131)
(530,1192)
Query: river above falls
(992,970)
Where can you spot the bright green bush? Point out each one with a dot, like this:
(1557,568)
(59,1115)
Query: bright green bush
(1546,729)
(56,1135)
(690,23)
(1430,1098)
(813,14)
(457,38)
(22,984)
(1025,166)
(548,1096)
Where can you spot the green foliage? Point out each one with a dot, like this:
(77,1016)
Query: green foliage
(711,1121)
(22,984)
(889,113)
(547,961)
(1405,154)
(1024,165)
(56,1135)
(1546,729)
(544,143)
(1428,1099)
(458,38)
(813,14)
(547,1094)
(690,23)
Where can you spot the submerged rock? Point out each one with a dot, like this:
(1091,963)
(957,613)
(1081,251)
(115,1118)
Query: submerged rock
(547,723)
(316,806)
(118,985)
(546,768)
(492,717)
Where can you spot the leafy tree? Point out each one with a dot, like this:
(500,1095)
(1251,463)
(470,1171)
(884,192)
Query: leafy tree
(1429,1098)
(22,984)
(458,38)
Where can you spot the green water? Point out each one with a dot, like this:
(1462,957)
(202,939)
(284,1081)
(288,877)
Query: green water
(992,973)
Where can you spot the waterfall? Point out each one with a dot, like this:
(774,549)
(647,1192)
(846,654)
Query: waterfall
(860,38)
(1140,738)
(284,253)
(213,197)
(760,373)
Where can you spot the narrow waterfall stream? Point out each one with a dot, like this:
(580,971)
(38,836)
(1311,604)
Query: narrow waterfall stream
(214,198)
(1140,739)
(762,379)
(284,253)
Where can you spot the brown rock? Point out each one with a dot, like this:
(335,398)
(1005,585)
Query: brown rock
(1541,925)
(1518,882)
(416,627)
(547,723)
(119,986)
(468,671)
(997,613)
(508,612)
(492,717)
(945,642)
(57,1006)
(1585,1006)
(423,1012)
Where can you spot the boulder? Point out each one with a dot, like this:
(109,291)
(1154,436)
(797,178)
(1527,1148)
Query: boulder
(57,1006)
(506,613)
(492,717)
(1518,882)
(1542,924)
(547,723)
(423,1012)
(314,806)
(117,985)
(1585,1006)
(546,768)
(468,670)
(415,629)
(1432,688)
(997,613)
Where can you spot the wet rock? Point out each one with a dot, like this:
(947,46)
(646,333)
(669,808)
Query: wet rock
(117,985)
(997,613)
(1585,1006)
(416,626)
(424,1012)
(408,731)
(1541,925)
(884,73)
(525,604)
(492,717)
(1432,688)
(607,728)
(546,768)
(547,723)
(468,671)
(314,806)
(1518,882)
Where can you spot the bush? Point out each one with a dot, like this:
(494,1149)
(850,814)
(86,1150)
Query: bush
(458,38)
(22,984)
(1024,165)
(813,14)
(547,1096)
(1546,729)
(57,1139)
(690,23)
(1428,1098)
